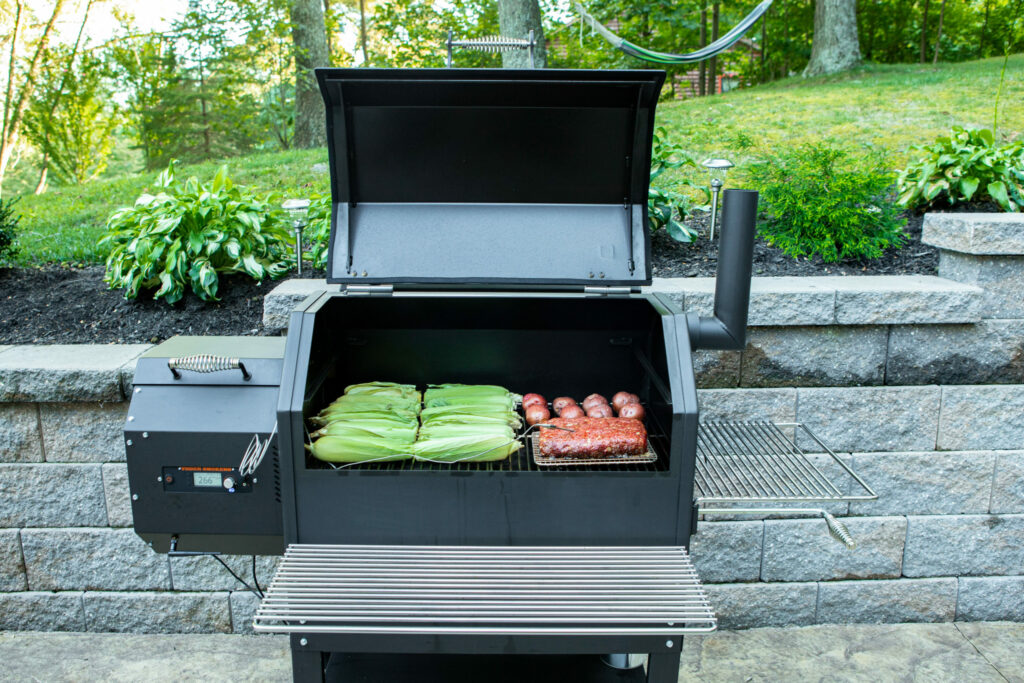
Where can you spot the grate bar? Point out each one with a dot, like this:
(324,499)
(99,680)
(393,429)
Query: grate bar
(741,462)
(485,590)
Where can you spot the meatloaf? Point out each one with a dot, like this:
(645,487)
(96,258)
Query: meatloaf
(592,437)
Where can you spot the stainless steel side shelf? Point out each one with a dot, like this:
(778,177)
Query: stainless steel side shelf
(484,590)
(761,462)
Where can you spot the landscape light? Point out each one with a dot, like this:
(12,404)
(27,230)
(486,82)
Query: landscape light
(297,209)
(717,168)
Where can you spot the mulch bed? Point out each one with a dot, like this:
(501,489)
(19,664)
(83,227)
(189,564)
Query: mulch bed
(58,305)
(55,305)
(700,259)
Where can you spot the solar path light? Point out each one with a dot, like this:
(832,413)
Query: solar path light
(717,168)
(297,209)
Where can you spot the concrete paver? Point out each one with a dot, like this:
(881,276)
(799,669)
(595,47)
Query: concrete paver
(1001,643)
(976,652)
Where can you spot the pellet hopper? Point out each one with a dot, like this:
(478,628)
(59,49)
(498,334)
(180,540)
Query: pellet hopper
(488,227)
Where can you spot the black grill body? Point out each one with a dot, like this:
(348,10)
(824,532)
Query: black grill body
(555,344)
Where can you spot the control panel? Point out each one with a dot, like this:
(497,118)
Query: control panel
(196,479)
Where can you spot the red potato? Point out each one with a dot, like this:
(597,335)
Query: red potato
(632,410)
(594,400)
(561,402)
(535,414)
(622,398)
(534,399)
(571,411)
(600,410)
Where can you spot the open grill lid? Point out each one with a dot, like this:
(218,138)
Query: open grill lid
(489,177)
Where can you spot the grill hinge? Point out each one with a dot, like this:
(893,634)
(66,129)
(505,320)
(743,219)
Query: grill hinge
(369,290)
(608,291)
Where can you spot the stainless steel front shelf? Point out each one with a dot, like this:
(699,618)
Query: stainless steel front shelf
(475,590)
(761,462)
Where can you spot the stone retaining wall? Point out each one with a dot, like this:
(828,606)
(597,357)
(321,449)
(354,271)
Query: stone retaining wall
(944,541)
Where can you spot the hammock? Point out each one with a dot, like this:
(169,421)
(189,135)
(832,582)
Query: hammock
(719,46)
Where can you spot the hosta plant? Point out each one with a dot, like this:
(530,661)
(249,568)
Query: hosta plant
(667,204)
(189,232)
(965,166)
(318,229)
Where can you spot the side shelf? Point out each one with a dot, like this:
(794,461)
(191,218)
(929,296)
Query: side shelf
(761,462)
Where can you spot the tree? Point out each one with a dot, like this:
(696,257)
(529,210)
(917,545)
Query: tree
(836,46)
(77,137)
(516,19)
(15,105)
(938,33)
(309,35)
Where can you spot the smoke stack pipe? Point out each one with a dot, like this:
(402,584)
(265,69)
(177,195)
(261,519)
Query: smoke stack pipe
(727,329)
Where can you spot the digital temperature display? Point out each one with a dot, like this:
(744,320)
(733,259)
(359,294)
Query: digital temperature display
(206,479)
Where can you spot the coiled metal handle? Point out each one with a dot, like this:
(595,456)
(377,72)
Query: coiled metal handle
(204,362)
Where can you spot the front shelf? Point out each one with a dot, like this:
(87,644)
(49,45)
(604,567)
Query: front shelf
(761,462)
(485,590)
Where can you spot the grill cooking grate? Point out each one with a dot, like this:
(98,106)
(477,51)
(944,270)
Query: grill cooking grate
(740,462)
(520,461)
(499,590)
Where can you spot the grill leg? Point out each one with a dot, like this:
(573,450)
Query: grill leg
(663,667)
(307,666)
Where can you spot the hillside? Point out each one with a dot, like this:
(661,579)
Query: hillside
(888,108)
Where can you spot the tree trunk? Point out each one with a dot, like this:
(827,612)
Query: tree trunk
(12,122)
(362,30)
(702,89)
(713,67)
(309,36)
(43,174)
(938,34)
(764,43)
(835,46)
(984,32)
(516,18)
(924,31)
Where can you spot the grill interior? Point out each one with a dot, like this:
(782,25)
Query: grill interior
(520,461)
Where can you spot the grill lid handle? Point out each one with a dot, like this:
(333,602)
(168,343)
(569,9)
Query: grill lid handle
(206,363)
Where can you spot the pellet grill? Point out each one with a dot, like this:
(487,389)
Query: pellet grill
(488,227)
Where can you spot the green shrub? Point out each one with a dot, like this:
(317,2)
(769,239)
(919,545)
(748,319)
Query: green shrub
(189,232)
(817,200)
(667,204)
(965,166)
(8,226)
(318,229)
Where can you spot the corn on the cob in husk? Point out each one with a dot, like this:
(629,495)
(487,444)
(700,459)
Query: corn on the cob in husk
(383,389)
(354,448)
(381,428)
(457,413)
(474,448)
(468,394)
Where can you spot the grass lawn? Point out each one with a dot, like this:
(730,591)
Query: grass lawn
(65,223)
(887,108)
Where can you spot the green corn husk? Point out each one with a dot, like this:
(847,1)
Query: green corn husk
(506,419)
(443,431)
(335,411)
(380,428)
(465,448)
(429,414)
(372,402)
(359,449)
(383,389)
(444,394)
(484,402)
(399,420)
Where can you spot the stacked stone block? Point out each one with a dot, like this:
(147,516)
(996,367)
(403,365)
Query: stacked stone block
(905,378)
